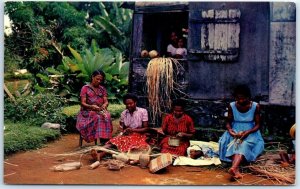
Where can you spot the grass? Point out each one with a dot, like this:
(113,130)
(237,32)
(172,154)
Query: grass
(22,136)
(114,109)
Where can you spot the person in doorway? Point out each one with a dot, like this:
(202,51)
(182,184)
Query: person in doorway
(178,128)
(242,141)
(181,51)
(134,126)
(93,119)
(171,48)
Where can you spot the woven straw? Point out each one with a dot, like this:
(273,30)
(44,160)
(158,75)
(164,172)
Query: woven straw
(134,153)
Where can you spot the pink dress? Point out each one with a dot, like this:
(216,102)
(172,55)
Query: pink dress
(93,125)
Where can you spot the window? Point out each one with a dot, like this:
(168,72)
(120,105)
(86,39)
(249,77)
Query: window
(219,35)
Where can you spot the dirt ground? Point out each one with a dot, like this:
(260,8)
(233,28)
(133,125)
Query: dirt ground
(33,167)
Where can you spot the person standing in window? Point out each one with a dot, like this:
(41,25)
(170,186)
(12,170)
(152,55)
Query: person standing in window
(181,51)
(171,49)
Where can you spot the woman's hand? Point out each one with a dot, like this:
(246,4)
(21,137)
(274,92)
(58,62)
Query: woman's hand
(128,131)
(244,134)
(103,107)
(180,134)
(232,133)
(95,107)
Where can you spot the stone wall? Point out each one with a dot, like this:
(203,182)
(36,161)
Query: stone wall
(282,64)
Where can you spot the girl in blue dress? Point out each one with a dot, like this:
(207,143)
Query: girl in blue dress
(242,141)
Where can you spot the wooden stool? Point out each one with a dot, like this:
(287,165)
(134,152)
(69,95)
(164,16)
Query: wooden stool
(81,139)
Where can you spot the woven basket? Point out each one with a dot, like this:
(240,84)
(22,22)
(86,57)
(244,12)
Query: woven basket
(134,153)
(160,162)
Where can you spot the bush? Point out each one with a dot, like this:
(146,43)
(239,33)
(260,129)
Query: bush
(24,136)
(114,109)
(35,109)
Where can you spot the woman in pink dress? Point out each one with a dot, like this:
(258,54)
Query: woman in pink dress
(93,120)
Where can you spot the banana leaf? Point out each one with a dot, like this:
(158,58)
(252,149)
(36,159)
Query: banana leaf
(109,27)
(103,10)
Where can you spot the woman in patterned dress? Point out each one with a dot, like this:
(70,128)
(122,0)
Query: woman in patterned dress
(177,125)
(242,141)
(93,120)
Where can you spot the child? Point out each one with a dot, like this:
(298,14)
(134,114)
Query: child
(289,157)
(181,51)
(171,49)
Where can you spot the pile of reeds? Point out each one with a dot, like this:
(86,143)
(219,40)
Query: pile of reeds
(161,84)
(269,166)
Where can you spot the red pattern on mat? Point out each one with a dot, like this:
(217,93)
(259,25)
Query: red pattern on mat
(132,141)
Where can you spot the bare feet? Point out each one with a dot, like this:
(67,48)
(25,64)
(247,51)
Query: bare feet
(235,173)
(94,155)
(101,155)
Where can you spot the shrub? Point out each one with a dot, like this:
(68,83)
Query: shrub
(24,136)
(35,109)
(114,109)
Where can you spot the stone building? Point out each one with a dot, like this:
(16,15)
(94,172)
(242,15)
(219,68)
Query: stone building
(228,43)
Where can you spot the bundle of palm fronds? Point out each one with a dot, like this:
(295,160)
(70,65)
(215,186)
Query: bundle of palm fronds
(161,83)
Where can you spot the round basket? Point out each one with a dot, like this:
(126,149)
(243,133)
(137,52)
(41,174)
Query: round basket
(144,160)
(173,141)
(293,131)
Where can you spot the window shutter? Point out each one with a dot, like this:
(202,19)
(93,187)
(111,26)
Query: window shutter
(219,36)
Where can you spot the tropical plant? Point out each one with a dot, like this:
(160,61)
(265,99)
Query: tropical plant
(81,66)
(116,23)
(42,32)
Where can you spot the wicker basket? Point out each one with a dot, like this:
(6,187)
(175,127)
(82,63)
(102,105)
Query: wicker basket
(174,141)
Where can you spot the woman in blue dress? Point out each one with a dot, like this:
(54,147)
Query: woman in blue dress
(242,141)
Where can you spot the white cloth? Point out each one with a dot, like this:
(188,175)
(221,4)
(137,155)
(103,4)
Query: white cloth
(182,160)
(171,49)
(181,51)
(205,147)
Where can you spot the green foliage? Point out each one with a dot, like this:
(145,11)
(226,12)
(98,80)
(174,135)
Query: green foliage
(10,76)
(114,109)
(12,61)
(117,24)
(35,109)
(42,32)
(82,65)
(24,136)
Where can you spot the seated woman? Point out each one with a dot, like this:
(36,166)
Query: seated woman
(93,120)
(134,125)
(179,129)
(242,141)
